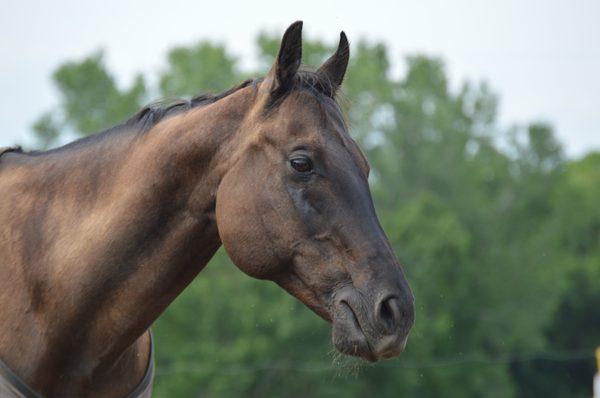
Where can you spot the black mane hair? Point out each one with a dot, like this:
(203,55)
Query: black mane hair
(150,115)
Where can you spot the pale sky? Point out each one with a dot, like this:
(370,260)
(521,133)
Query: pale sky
(541,57)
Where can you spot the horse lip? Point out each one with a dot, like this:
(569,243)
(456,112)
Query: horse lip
(367,354)
(390,346)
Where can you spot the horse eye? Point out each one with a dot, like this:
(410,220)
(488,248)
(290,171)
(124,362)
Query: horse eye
(301,165)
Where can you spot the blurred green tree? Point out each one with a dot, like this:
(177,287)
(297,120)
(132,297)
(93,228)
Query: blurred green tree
(90,100)
(203,66)
(575,326)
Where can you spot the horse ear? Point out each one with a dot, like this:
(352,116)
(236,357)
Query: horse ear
(335,67)
(288,59)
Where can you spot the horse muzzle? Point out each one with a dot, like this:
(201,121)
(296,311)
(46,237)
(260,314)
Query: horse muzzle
(372,326)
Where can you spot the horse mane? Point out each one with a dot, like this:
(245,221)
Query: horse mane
(150,115)
(6,149)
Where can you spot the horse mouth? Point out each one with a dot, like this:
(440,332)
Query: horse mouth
(348,335)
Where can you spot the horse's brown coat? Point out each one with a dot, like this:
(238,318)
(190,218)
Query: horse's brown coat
(98,238)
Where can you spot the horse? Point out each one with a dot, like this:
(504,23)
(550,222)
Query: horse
(99,236)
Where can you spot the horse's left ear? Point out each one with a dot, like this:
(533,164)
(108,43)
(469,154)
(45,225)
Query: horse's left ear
(288,59)
(335,67)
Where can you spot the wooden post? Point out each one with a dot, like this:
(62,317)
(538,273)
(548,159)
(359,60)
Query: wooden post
(597,377)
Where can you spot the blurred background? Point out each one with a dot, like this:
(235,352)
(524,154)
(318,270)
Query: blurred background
(481,123)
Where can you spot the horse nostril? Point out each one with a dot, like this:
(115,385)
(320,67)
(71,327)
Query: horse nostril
(389,313)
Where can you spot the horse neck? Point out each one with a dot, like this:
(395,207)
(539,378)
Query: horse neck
(168,189)
(148,232)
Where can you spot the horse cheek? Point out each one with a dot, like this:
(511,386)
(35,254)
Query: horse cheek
(241,229)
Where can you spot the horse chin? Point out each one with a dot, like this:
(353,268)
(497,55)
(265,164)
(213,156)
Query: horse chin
(297,288)
(319,310)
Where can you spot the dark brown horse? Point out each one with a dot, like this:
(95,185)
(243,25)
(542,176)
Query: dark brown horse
(98,237)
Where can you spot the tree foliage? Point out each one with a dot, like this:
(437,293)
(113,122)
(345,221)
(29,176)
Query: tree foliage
(498,232)
(204,66)
(90,100)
